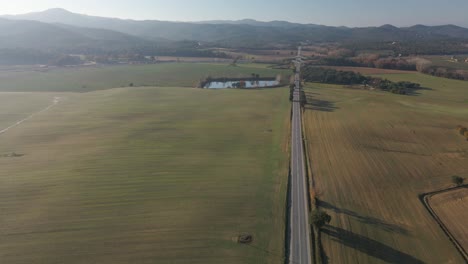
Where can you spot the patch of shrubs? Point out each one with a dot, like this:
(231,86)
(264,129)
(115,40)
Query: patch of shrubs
(245,239)
(463,131)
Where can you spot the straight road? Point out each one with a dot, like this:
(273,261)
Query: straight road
(300,251)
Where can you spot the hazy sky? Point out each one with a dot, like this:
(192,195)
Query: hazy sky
(327,12)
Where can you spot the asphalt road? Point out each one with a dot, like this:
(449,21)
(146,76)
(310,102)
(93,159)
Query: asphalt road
(300,251)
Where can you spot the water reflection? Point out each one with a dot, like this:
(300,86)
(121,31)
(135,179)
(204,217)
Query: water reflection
(242,84)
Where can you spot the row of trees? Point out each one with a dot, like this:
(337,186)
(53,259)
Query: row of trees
(371,61)
(445,72)
(412,48)
(21,56)
(31,57)
(324,75)
(388,60)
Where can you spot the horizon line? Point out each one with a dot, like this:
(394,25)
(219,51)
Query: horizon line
(227,20)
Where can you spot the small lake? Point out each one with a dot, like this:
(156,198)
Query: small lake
(248,84)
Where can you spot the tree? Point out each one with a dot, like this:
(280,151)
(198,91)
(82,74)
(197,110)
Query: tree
(320,218)
(457,180)
(462,130)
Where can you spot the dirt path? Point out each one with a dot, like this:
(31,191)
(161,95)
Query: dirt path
(54,103)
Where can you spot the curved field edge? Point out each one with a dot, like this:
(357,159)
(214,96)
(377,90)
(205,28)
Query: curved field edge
(426,200)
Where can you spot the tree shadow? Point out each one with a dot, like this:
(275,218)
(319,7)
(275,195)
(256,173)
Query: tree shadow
(365,219)
(416,91)
(320,105)
(369,246)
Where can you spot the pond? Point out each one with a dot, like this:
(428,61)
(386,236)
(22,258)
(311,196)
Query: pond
(248,84)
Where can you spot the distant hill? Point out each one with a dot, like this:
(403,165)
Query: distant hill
(65,38)
(247,32)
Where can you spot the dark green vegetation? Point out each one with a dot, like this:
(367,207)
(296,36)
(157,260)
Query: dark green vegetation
(98,78)
(463,131)
(450,73)
(453,68)
(320,218)
(331,76)
(457,180)
(372,154)
(369,60)
(145,175)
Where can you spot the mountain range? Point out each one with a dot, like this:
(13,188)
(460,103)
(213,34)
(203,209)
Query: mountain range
(64,30)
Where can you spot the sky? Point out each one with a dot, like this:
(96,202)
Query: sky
(325,12)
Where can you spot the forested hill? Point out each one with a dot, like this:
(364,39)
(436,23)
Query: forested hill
(248,32)
(45,36)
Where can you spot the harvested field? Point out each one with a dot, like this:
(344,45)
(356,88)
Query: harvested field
(372,153)
(452,209)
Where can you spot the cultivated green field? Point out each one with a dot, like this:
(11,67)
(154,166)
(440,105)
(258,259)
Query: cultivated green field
(99,78)
(144,175)
(17,106)
(372,153)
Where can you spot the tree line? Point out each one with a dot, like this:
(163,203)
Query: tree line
(412,48)
(369,60)
(324,75)
(346,57)
(444,72)
(22,56)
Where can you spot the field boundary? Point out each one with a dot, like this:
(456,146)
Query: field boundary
(425,200)
(317,250)
(287,235)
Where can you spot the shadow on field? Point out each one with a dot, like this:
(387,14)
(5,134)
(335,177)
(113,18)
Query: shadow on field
(317,104)
(415,92)
(364,219)
(320,105)
(369,246)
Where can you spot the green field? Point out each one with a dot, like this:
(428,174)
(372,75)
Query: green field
(445,61)
(372,153)
(144,175)
(99,78)
(17,106)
